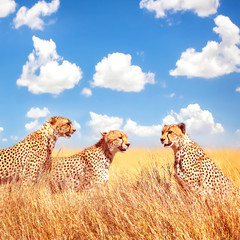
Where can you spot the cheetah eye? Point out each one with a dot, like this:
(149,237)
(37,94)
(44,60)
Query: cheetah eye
(169,132)
(120,137)
(68,124)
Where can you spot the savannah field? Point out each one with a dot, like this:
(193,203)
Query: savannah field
(141,201)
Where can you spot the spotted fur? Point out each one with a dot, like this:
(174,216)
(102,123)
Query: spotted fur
(32,156)
(193,169)
(90,166)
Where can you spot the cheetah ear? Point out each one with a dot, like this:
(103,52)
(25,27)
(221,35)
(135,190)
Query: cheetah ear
(182,126)
(52,120)
(103,134)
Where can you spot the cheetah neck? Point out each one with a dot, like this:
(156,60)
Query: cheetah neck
(103,147)
(186,140)
(187,145)
(49,134)
(181,143)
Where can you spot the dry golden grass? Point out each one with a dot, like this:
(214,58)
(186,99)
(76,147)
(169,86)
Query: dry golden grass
(141,201)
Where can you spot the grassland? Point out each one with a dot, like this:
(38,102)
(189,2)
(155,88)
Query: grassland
(141,201)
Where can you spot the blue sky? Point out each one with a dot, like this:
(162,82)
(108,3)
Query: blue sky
(130,65)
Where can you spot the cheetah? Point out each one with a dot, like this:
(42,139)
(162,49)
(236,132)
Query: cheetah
(31,157)
(90,166)
(193,169)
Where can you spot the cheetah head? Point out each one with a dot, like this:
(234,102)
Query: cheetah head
(116,141)
(172,133)
(62,126)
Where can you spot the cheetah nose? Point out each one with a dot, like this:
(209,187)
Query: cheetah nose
(128,144)
(162,140)
(74,130)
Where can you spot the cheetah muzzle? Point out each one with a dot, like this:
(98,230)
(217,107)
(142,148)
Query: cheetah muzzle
(122,149)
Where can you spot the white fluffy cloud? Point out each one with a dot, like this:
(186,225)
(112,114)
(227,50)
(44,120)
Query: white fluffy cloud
(32,17)
(116,72)
(86,92)
(198,121)
(215,59)
(238,131)
(202,8)
(238,89)
(7,7)
(32,126)
(132,127)
(37,112)
(103,123)
(54,74)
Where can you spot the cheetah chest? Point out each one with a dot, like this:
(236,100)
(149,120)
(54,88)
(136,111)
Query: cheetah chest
(188,168)
(100,170)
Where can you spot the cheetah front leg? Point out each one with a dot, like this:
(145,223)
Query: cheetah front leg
(31,171)
(100,178)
